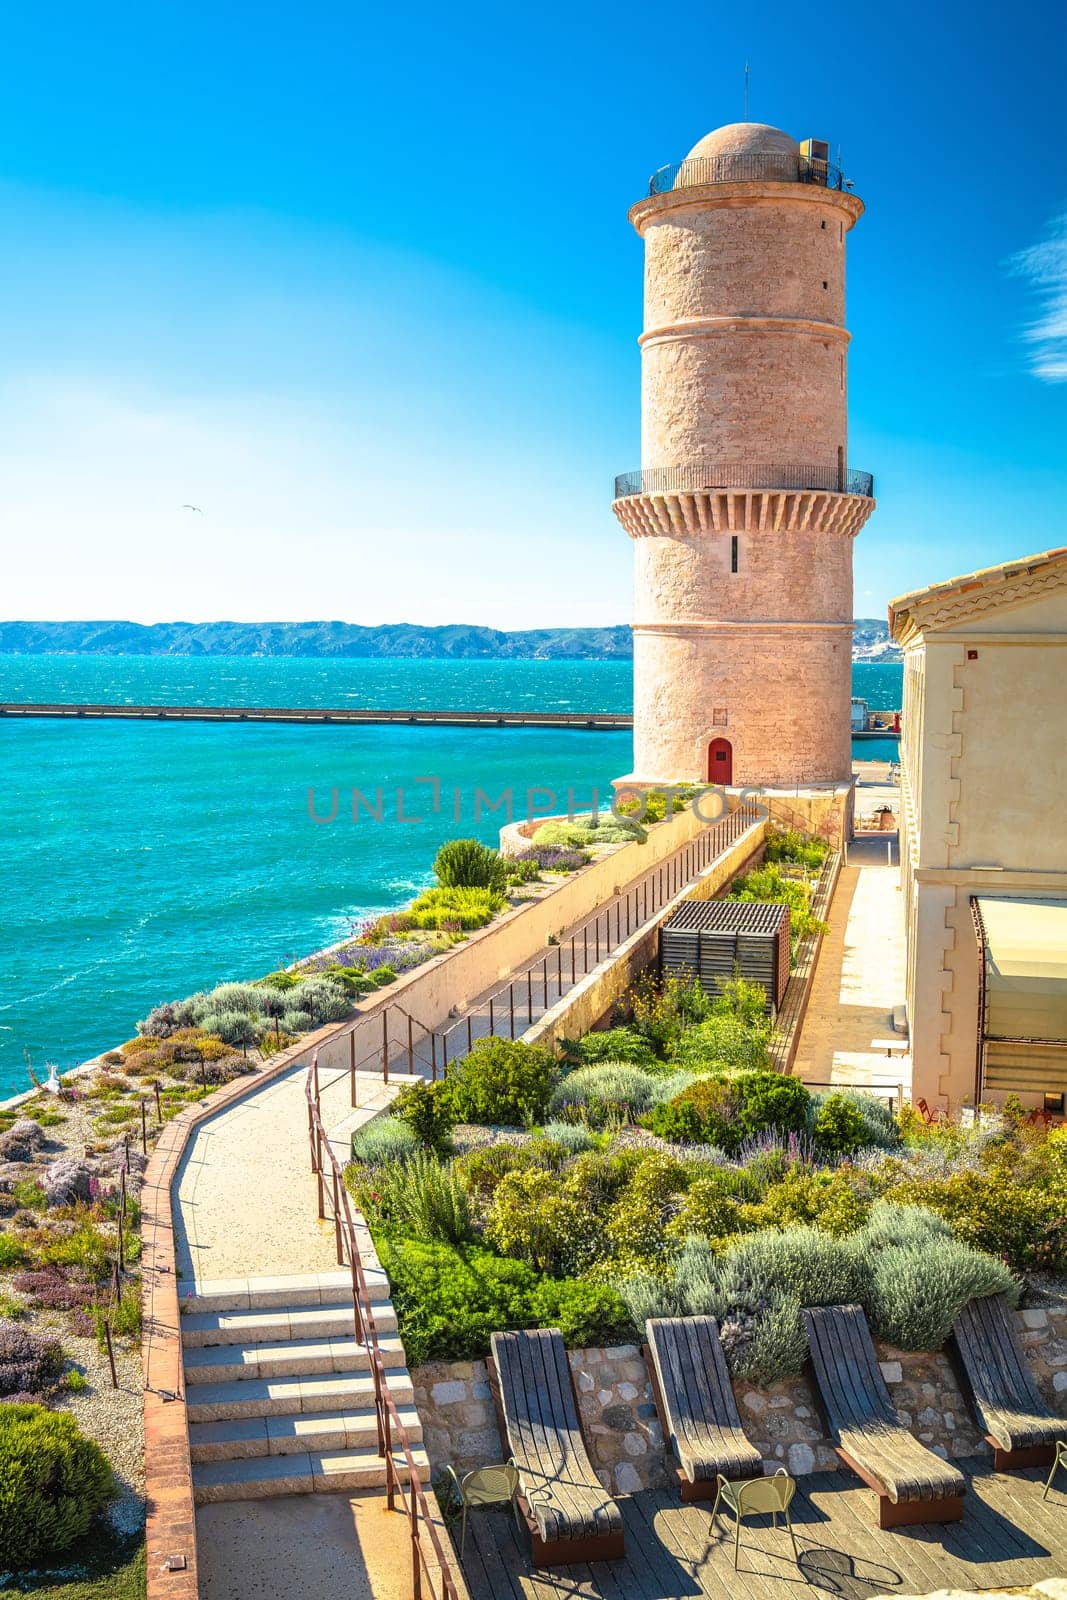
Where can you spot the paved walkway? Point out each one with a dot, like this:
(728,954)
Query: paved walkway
(304,1547)
(246,1195)
(859,978)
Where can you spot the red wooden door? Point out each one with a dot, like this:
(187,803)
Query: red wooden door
(720,761)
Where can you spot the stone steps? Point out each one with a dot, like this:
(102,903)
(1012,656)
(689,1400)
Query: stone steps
(204,1329)
(286,1397)
(332,1431)
(279,1392)
(287,1358)
(306,1472)
(304,1289)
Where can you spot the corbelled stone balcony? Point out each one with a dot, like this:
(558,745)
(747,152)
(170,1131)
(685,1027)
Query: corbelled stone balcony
(731,497)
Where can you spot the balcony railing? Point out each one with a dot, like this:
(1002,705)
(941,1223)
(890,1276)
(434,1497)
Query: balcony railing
(768,167)
(697,476)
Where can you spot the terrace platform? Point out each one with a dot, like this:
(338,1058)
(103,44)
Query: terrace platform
(1009,1538)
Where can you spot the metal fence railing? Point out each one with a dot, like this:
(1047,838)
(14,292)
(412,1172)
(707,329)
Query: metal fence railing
(394,1446)
(697,477)
(770,166)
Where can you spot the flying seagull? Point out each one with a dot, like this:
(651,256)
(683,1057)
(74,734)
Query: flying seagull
(193,508)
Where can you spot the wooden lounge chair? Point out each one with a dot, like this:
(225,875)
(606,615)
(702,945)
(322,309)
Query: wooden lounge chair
(1017,1422)
(570,1515)
(912,1484)
(696,1405)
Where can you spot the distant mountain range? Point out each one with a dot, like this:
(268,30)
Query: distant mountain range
(456,641)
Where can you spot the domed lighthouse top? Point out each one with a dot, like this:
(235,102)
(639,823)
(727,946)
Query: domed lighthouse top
(750,152)
(745,139)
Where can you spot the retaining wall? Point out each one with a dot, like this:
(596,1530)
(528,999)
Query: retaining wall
(625,1439)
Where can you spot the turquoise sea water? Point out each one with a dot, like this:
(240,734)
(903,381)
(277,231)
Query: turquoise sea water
(139,862)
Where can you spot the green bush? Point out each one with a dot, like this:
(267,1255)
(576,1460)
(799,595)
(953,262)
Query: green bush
(879,1130)
(715,1204)
(502,1081)
(449,909)
(449,1301)
(769,884)
(703,1113)
(567,834)
(991,1209)
(612,1091)
(384,1139)
(724,1111)
(662,1012)
(420,1196)
(572,1138)
(637,1222)
(613,1044)
(819,1269)
(543,1222)
(916,1293)
(483,1167)
(53,1482)
(12,1252)
(792,845)
(426,1109)
(825,1199)
(468,864)
(585,1313)
(724,1043)
(839,1127)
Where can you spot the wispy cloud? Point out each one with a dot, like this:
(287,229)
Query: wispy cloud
(1045,265)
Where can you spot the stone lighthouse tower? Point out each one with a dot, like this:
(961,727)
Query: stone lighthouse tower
(745,509)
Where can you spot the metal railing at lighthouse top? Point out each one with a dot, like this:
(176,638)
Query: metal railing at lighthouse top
(695,477)
(762,167)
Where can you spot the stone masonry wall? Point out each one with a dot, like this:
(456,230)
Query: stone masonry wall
(623,1433)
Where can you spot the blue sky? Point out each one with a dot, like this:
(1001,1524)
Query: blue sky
(359,283)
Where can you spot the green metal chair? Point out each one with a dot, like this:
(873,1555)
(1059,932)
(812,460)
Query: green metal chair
(1059,1460)
(485,1486)
(754,1497)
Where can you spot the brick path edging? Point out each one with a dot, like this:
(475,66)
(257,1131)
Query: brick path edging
(170,1516)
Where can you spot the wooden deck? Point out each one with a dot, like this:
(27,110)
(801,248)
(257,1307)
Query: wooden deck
(1009,1537)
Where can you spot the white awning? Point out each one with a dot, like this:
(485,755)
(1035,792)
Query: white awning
(1025,968)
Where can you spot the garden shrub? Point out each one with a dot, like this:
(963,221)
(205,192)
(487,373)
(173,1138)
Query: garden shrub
(771,1100)
(67,1181)
(877,1128)
(522,869)
(431,1203)
(723,1043)
(56,1288)
(790,844)
(450,909)
(917,1292)
(714,1205)
(384,1139)
(483,1167)
(53,1482)
(613,1044)
(990,1209)
(585,1313)
(426,1109)
(662,1012)
(611,1091)
(30,1363)
(21,1141)
(703,1113)
(85,1246)
(892,1226)
(637,1222)
(818,1268)
(543,1222)
(828,1200)
(777,1346)
(567,835)
(838,1127)
(572,1137)
(469,864)
(448,1301)
(502,1081)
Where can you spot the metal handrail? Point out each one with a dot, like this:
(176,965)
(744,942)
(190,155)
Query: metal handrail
(514,1007)
(761,167)
(390,1429)
(695,477)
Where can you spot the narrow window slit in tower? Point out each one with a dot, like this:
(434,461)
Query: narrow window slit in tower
(825,284)
(733,553)
(822,224)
